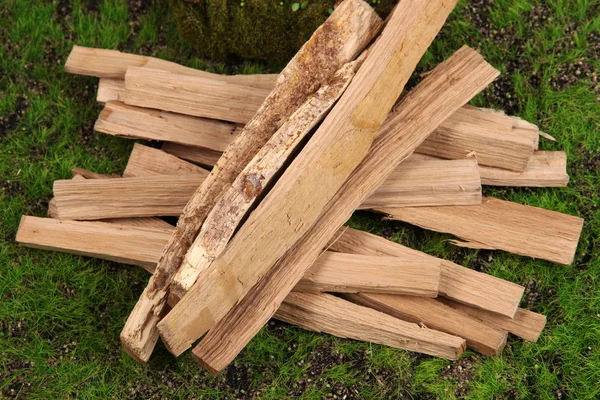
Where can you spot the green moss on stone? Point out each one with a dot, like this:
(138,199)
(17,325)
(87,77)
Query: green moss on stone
(266,30)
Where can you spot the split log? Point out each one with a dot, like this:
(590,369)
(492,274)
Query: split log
(120,119)
(110,90)
(449,86)
(256,177)
(347,31)
(113,64)
(191,95)
(145,161)
(326,313)
(148,196)
(351,273)
(198,155)
(502,225)
(544,169)
(81,174)
(485,136)
(436,315)
(461,284)
(526,324)
(131,245)
(429,183)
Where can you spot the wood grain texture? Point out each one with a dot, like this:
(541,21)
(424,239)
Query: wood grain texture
(144,161)
(113,64)
(502,225)
(418,183)
(148,196)
(255,178)
(339,40)
(485,136)
(461,284)
(436,315)
(198,155)
(326,313)
(131,245)
(191,95)
(352,273)
(293,205)
(544,169)
(110,90)
(526,324)
(388,150)
(120,119)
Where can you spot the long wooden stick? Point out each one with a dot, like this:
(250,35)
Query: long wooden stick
(544,169)
(144,161)
(110,90)
(326,313)
(449,86)
(199,155)
(436,315)
(113,64)
(502,225)
(339,40)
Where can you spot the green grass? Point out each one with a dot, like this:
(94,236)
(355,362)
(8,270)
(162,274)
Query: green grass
(60,315)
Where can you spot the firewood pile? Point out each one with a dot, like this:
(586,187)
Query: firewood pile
(264,170)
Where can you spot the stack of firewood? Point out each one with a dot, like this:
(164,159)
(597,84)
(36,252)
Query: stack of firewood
(292,157)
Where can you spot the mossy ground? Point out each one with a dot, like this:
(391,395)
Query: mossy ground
(60,315)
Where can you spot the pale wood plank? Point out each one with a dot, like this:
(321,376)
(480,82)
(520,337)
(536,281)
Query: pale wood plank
(544,169)
(198,155)
(339,40)
(113,64)
(502,225)
(110,90)
(436,315)
(448,87)
(120,119)
(145,161)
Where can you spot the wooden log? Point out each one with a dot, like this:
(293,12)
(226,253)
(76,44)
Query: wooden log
(113,64)
(492,144)
(526,324)
(191,95)
(198,155)
(464,285)
(131,245)
(429,183)
(145,161)
(148,196)
(326,313)
(293,205)
(120,119)
(544,169)
(351,273)
(339,40)
(436,315)
(452,84)
(257,175)
(502,225)
(110,90)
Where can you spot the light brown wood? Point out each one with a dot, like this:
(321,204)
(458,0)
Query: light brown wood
(113,64)
(293,205)
(142,222)
(449,86)
(192,95)
(352,273)
(131,245)
(339,40)
(147,196)
(433,314)
(110,90)
(544,169)
(526,324)
(257,175)
(339,317)
(502,225)
(120,119)
(490,141)
(145,161)
(419,183)
(81,174)
(197,155)
(461,284)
